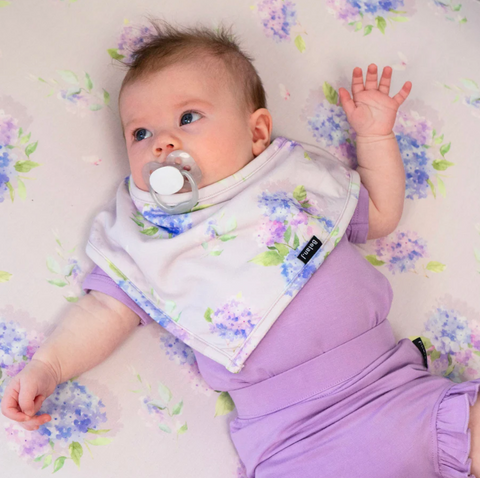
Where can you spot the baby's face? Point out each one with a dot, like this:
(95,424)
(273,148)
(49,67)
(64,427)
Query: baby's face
(185,107)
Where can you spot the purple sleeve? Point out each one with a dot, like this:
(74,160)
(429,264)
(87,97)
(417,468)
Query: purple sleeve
(357,230)
(98,280)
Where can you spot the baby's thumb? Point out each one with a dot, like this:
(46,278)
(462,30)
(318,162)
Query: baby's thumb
(26,399)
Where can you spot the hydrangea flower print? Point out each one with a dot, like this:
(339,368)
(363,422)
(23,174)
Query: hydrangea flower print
(176,350)
(77,94)
(75,412)
(452,339)
(233,320)
(156,409)
(277,18)
(279,21)
(367,14)
(217,232)
(400,251)
(470,94)
(287,228)
(327,122)
(131,38)
(15,151)
(419,146)
(448,9)
(172,224)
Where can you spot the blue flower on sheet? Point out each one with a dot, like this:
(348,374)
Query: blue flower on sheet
(292,267)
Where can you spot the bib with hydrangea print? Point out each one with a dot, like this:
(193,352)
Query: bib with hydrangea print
(218,276)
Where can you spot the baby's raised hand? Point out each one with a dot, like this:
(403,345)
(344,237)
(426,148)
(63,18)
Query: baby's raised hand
(372,112)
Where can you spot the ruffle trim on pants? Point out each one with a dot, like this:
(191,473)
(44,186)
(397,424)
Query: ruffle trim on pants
(454,438)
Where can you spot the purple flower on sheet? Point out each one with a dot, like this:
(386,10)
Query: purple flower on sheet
(177,350)
(233,320)
(13,345)
(8,135)
(354,10)
(400,250)
(26,444)
(277,18)
(448,330)
(174,224)
(330,127)
(8,129)
(412,132)
(76,270)
(131,39)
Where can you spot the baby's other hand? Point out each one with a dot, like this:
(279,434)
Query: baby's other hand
(372,112)
(25,394)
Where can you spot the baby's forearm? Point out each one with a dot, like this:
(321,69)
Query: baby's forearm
(382,173)
(93,328)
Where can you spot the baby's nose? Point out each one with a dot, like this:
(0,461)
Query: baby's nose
(166,147)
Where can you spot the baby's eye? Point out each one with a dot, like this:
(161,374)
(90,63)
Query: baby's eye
(142,132)
(187,117)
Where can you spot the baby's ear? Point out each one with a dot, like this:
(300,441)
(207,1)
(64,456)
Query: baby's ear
(261,128)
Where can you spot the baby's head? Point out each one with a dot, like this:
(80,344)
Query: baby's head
(193,89)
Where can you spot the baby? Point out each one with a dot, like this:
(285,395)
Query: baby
(195,90)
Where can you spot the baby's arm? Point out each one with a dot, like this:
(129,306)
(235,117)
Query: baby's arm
(93,328)
(372,114)
(382,173)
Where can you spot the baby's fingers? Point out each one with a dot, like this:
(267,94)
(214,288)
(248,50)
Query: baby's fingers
(402,95)
(347,103)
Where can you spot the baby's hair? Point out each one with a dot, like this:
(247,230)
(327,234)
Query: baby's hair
(172,45)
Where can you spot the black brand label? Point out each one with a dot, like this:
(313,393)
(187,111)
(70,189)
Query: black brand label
(419,344)
(311,248)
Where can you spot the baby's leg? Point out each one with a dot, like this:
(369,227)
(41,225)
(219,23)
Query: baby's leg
(474,425)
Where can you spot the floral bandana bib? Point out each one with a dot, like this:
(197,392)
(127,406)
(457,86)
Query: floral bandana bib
(218,276)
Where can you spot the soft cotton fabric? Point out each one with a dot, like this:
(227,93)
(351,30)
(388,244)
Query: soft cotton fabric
(392,419)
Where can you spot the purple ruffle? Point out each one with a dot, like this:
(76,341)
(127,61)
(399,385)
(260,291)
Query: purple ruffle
(453,434)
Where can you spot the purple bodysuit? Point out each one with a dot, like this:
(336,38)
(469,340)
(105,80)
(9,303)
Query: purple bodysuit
(329,393)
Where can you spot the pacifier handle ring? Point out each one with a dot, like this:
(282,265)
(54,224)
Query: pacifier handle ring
(183,206)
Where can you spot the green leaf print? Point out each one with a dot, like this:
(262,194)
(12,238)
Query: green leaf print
(31,149)
(400,19)
(300,43)
(47,460)
(208,315)
(300,194)
(25,166)
(177,410)
(164,428)
(358,26)
(381,23)
(374,261)
(432,187)
(57,282)
(150,231)
(183,429)
(106,97)
(164,392)
(76,452)
(296,241)
(441,187)
(227,237)
(470,84)
(288,234)
(99,441)
(441,164)
(97,432)
(436,266)
(88,82)
(68,76)
(306,156)
(282,249)
(268,258)
(368,29)
(5,276)
(95,107)
(10,188)
(445,149)
(224,404)
(113,52)
(22,192)
(53,265)
(330,94)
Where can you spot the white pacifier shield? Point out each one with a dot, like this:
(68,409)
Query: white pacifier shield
(167,180)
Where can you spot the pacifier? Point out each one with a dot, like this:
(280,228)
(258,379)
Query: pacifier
(179,170)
